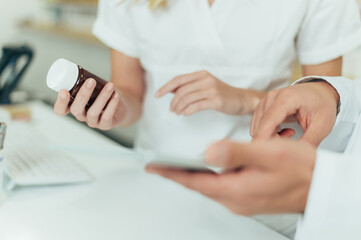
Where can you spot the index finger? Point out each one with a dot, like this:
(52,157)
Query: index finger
(273,118)
(234,155)
(178,82)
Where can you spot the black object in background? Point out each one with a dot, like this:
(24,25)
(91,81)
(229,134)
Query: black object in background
(15,60)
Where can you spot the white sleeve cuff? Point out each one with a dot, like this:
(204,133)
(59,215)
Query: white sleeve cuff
(349,110)
(346,120)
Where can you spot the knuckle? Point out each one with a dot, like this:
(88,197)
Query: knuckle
(107,119)
(181,92)
(91,124)
(176,80)
(76,112)
(104,128)
(209,79)
(92,114)
(181,105)
(105,125)
(80,119)
(196,107)
(204,72)
(212,80)
(58,112)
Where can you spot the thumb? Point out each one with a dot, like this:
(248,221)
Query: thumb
(231,155)
(318,130)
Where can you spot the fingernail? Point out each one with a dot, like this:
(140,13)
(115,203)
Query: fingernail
(90,83)
(63,95)
(110,87)
(157,95)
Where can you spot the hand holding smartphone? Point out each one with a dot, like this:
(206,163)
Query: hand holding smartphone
(187,164)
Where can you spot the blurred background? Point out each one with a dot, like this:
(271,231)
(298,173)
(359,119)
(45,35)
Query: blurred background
(62,28)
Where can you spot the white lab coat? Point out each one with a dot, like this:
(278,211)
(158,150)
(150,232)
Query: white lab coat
(245,43)
(334,203)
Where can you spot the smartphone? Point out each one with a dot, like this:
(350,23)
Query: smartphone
(187,164)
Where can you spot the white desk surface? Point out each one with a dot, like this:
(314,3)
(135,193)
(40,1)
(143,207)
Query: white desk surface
(122,203)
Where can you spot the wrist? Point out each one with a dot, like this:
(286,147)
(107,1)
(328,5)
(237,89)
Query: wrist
(332,92)
(133,108)
(249,99)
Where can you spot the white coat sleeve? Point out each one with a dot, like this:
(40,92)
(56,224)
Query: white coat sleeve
(330,29)
(114,26)
(333,209)
(350,109)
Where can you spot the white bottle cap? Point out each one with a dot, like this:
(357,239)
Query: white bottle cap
(63,74)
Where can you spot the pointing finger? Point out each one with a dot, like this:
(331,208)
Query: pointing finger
(178,82)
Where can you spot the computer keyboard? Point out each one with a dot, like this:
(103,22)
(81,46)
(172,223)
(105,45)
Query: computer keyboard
(30,160)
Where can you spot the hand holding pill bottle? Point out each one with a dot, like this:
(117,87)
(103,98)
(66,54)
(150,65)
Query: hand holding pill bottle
(64,74)
(86,96)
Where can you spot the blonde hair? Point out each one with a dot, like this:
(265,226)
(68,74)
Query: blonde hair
(153,4)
